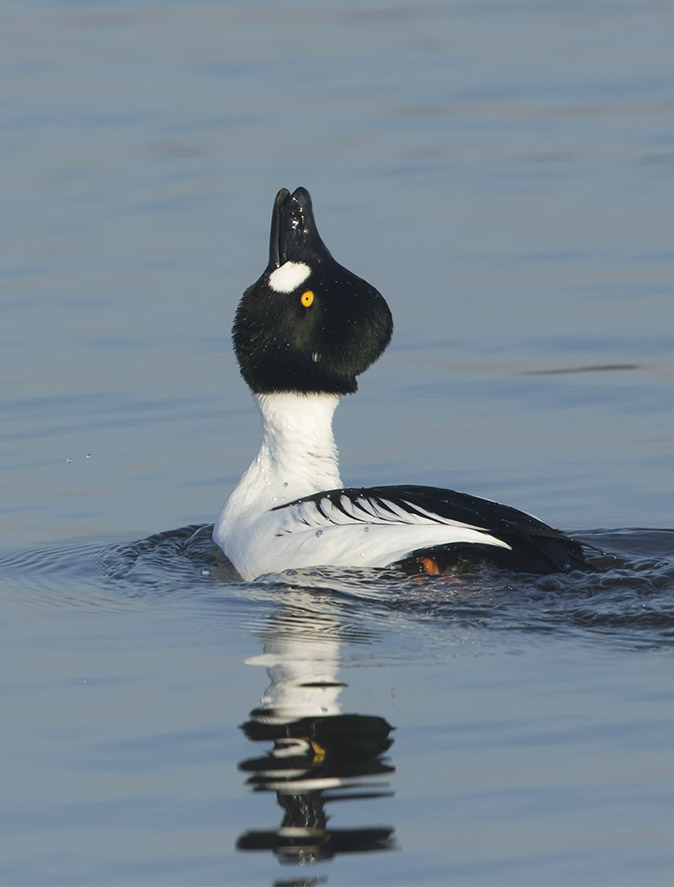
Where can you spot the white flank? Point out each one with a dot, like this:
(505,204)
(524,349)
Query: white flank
(288,277)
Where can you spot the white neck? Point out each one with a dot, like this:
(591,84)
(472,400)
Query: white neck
(298,455)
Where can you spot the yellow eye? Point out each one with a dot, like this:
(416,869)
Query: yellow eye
(307,298)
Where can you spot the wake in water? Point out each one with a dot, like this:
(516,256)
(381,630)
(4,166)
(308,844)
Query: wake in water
(629,597)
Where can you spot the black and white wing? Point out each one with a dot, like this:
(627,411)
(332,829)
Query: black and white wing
(404,525)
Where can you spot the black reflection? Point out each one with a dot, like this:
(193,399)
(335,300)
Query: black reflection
(318,755)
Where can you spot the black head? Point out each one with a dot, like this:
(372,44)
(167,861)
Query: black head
(307,324)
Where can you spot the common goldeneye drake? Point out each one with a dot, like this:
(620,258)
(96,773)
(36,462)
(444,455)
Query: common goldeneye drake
(302,334)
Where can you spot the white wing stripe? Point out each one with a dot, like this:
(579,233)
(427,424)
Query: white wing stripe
(445,520)
(318,513)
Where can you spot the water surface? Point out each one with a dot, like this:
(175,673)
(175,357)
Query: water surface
(503,173)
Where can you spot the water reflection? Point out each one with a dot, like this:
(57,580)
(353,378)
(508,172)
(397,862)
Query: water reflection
(318,754)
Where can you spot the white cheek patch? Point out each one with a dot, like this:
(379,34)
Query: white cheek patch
(288,277)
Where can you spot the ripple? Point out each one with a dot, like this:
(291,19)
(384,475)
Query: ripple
(628,601)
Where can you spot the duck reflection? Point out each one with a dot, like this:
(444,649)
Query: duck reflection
(318,755)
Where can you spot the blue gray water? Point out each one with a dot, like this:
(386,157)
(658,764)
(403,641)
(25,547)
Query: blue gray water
(504,174)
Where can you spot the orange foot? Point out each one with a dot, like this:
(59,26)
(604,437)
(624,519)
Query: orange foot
(430,565)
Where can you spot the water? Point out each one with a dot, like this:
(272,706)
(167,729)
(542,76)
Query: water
(503,174)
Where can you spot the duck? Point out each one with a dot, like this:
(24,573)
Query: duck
(302,334)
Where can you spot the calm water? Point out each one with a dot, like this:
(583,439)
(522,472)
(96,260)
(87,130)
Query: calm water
(504,174)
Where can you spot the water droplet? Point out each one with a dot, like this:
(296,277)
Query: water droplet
(85,681)
(88,456)
(69,461)
(319,533)
(366,529)
(285,483)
